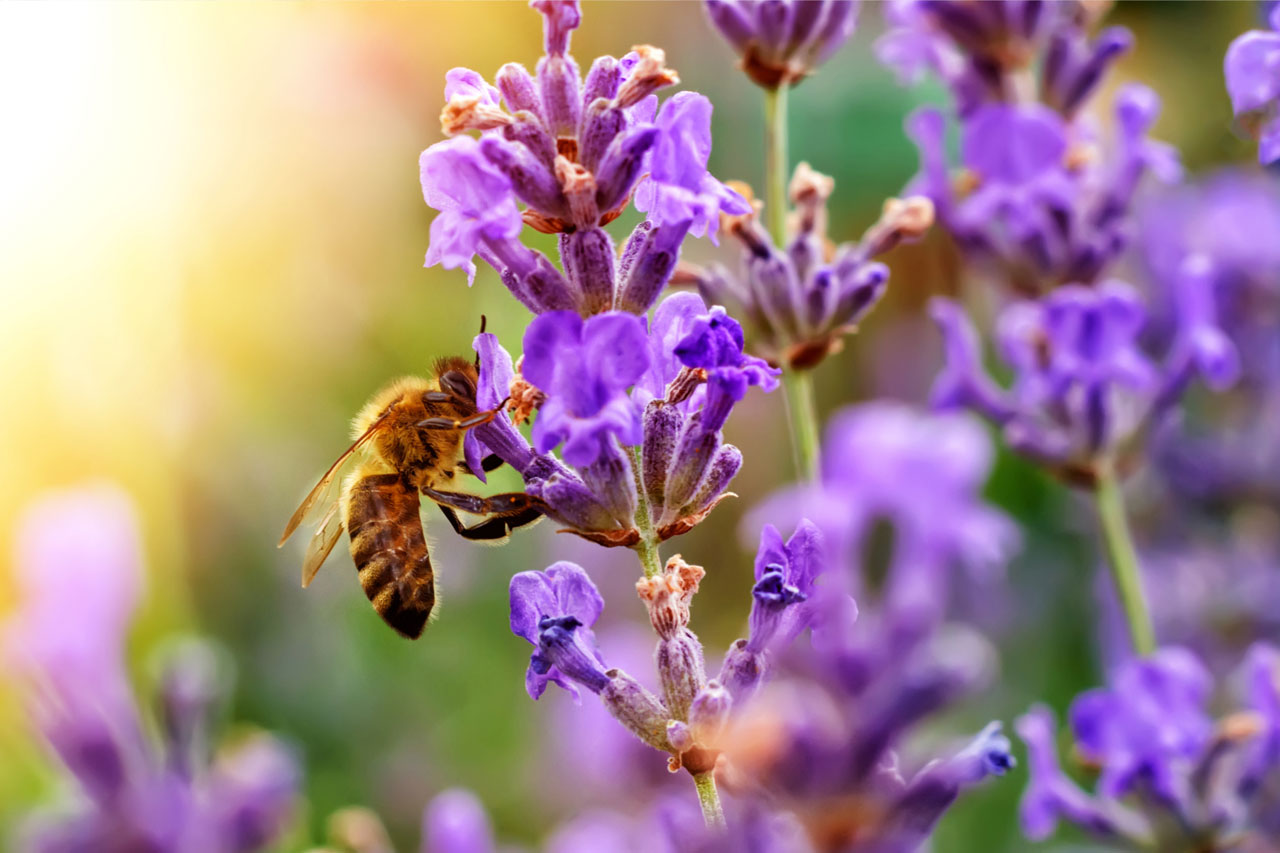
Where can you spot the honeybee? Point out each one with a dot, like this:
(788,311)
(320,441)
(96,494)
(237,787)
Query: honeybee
(408,440)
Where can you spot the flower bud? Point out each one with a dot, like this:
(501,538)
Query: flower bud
(650,264)
(572,503)
(587,257)
(640,711)
(532,181)
(602,80)
(610,479)
(600,126)
(742,672)
(709,713)
(689,464)
(621,164)
(662,423)
(518,89)
(679,735)
(681,670)
(558,80)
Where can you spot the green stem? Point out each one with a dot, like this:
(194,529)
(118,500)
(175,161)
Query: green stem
(776,167)
(803,418)
(709,799)
(798,383)
(647,547)
(1123,559)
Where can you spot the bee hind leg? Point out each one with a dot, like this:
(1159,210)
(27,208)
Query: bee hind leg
(507,511)
(495,528)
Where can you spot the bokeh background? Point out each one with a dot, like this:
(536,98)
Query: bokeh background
(211,242)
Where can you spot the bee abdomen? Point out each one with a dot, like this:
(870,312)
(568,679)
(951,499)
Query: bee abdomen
(390,551)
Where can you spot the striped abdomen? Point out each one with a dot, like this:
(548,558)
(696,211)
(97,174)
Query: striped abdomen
(390,551)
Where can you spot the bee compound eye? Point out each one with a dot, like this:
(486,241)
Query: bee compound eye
(458,384)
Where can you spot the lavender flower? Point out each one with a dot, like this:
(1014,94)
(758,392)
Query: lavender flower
(1083,391)
(1252,69)
(573,151)
(1170,777)
(585,370)
(555,610)
(801,300)
(780,42)
(78,561)
(576,374)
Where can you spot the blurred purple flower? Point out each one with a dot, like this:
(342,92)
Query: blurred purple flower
(1082,387)
(456,822)
(1252,69)
(885,462)
(780,42)
(555,610)
(679,189)
(1170,777)
(1044,200)
(78,567)
(585,369)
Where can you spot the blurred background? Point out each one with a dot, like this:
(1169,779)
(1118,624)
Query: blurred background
(211,243)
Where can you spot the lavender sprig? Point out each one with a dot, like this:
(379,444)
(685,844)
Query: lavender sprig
(1170,776)
(574,152)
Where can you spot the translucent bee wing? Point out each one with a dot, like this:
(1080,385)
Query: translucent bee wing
(327,534)
(312,500)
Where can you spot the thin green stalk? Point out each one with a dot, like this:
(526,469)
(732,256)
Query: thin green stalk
(1123,559)
(798,384)
(803,418)
(709,799)
(647,547)
(776,166)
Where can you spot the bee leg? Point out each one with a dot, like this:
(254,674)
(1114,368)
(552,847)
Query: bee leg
(492,529)
(460,423)
(507,504)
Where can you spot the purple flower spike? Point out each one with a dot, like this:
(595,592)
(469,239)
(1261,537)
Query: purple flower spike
(785,577)
(585,369)
(1252,69)
(456,822)
(555,610)
(1170,777)
(477,208)
(1151,718)
(679,188)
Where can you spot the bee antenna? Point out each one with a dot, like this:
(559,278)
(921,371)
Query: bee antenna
(484,321)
